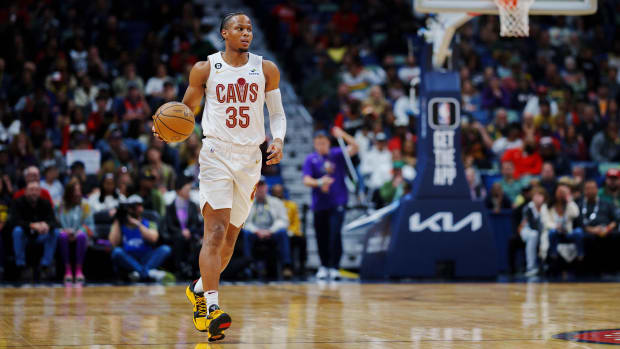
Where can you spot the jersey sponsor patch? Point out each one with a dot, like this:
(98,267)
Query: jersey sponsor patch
(218,65)
(611,336)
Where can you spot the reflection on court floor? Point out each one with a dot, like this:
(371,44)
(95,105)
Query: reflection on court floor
(347,315)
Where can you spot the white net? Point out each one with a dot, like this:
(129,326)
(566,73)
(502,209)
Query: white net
(514,17)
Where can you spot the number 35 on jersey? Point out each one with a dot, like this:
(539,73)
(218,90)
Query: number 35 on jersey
(239,92)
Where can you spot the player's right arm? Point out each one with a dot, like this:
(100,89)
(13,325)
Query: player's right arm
(196,89)
(197,79)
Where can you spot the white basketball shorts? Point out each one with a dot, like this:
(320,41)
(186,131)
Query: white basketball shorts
(229,174)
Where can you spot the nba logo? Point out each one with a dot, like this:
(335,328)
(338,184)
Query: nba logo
(444,113)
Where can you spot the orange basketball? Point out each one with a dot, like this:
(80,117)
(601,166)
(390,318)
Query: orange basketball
(174,122)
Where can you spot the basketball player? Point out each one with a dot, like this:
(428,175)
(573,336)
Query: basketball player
(237,84)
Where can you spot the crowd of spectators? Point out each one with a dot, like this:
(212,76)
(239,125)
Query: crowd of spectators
(79,80)
(80,171)
(539,112)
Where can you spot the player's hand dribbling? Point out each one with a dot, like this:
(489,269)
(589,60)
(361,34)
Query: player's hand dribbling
(275,152)
(156,134)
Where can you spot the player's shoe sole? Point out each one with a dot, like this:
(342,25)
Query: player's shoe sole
(219,321)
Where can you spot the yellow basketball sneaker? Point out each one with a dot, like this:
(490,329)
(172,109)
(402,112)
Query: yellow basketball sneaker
(200,307)
(217,322)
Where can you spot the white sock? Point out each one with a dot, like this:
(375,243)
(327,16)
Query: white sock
(211,298)
(198,287)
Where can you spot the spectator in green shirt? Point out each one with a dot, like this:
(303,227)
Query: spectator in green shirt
(610,191)
(393,189)
(511,186)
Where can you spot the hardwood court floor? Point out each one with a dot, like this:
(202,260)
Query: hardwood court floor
(279,316)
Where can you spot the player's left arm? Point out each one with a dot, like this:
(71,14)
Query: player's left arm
(277,119)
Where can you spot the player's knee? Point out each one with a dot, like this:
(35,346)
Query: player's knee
(215,235)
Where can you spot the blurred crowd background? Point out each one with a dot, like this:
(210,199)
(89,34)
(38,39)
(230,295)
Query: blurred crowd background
(79,82)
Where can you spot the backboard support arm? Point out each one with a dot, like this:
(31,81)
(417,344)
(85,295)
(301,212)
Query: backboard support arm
(440,31)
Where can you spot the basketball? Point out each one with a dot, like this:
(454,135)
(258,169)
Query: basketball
(174,122)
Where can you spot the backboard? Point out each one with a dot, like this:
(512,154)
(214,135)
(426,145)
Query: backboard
(540,7)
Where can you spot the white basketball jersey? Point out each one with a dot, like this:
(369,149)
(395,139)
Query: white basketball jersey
(235,98)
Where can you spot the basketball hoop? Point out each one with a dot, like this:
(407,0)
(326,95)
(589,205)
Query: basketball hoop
(514,17)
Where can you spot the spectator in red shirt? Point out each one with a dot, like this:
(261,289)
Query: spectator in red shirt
(527,160)
(134,106)
(287,14)
(95,118)
(182,58)
(32,174)
(345,20)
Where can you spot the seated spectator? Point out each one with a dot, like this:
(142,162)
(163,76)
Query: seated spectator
(510,186)
(476,189)
(76,225)
(579,176)
(558,223)
(99,119)
(545,117)
(296,236)
(48,154)
(170,92)
(393,189)
(510,141)
(107,197)
(151,196)
(22,151)
(588,125)
(495,96)
(134,107)
(85,92)
(124,184)
(497,201)
(375,105)
(573,145)
(605,145)
(531,226)
(51,183)
(32,174)
(527,160)
(600,223)
(182,58)
(34,222)
(533,103)
(377,163)
(359,79)
(470,97)
(155,85)
(134,239)
(120,84)
(164,173)
(522,94)
(598,216)
(548,179)
(610,192)
(87,182)
(550,153)
(268,219)
(184,229)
